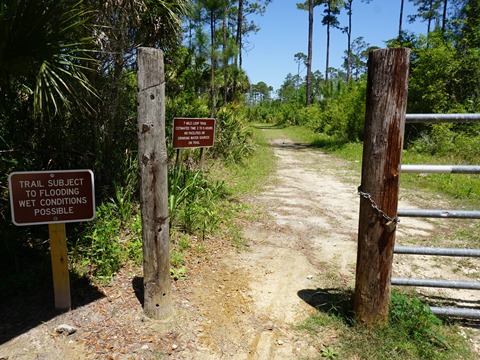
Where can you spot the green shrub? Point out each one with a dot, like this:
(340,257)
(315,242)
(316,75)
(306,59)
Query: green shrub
(192,200)
(309,116)
(344,116)
(233,136)
(98,251)
(264,112)
(134,244)
(459,142)
(113,238)
(288,114)
(413,317)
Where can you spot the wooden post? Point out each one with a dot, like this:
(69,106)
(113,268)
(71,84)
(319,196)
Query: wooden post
(202,158)
(153,161)
(61,277)
(387,89)
(179,160)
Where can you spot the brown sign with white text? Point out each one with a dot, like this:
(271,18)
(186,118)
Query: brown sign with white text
(45,197)
(193,133)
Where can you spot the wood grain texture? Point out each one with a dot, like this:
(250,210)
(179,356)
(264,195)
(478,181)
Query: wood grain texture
(387,89)
(152,152)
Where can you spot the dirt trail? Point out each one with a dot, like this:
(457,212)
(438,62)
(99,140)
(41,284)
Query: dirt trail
(303,238)
(239,305)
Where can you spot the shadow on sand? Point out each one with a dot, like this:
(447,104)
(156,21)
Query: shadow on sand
(338,302)
(22,312)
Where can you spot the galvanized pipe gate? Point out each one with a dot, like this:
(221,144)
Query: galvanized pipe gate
(431,213)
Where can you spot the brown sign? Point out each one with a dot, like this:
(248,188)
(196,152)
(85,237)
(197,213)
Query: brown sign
(192,133)
(47,197)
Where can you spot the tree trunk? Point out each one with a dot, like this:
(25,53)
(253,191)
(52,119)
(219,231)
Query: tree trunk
(387,88)
(444,15)
(309,57)
(429,21)
(239,31)
(238,43)
(152,162)
(402,3)
(349,41)
(327,60)
(225,57)
(212,59)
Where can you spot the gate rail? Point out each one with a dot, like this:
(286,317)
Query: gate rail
(442,169)
(458,214)
(436,118)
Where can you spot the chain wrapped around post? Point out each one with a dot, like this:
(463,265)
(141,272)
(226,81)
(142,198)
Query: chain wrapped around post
(391,223)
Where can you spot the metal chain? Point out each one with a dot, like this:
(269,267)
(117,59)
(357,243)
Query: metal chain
(374,205)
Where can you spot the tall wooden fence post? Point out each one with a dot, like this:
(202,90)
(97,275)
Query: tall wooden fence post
(387,89)
(152,160)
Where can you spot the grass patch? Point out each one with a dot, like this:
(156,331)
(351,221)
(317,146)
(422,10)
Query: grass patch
(347,151)
(413,332)
(462,190)
(251,175)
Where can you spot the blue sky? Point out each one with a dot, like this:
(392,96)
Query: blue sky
(284,32)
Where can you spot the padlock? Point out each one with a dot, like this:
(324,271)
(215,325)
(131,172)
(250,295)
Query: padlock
(390,226)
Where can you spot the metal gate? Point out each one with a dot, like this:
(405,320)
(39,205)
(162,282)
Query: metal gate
(434,213)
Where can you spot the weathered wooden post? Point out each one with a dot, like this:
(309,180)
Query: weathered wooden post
(59,258)
(152,160)
(387,89)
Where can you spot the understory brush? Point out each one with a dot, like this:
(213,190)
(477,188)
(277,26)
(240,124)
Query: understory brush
(458,142)
(233,138)
(198,204)
(446,144)
(115,236)
(340,116)
(199,207)
(193,201)
(105,244)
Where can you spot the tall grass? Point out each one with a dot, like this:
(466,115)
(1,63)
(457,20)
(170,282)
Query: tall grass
(251,174)
(193,201)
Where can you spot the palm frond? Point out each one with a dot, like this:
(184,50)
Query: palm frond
(48,47)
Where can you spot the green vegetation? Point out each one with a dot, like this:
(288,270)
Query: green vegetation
(68,100)
(413,332)
(68,85)
(248,176)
